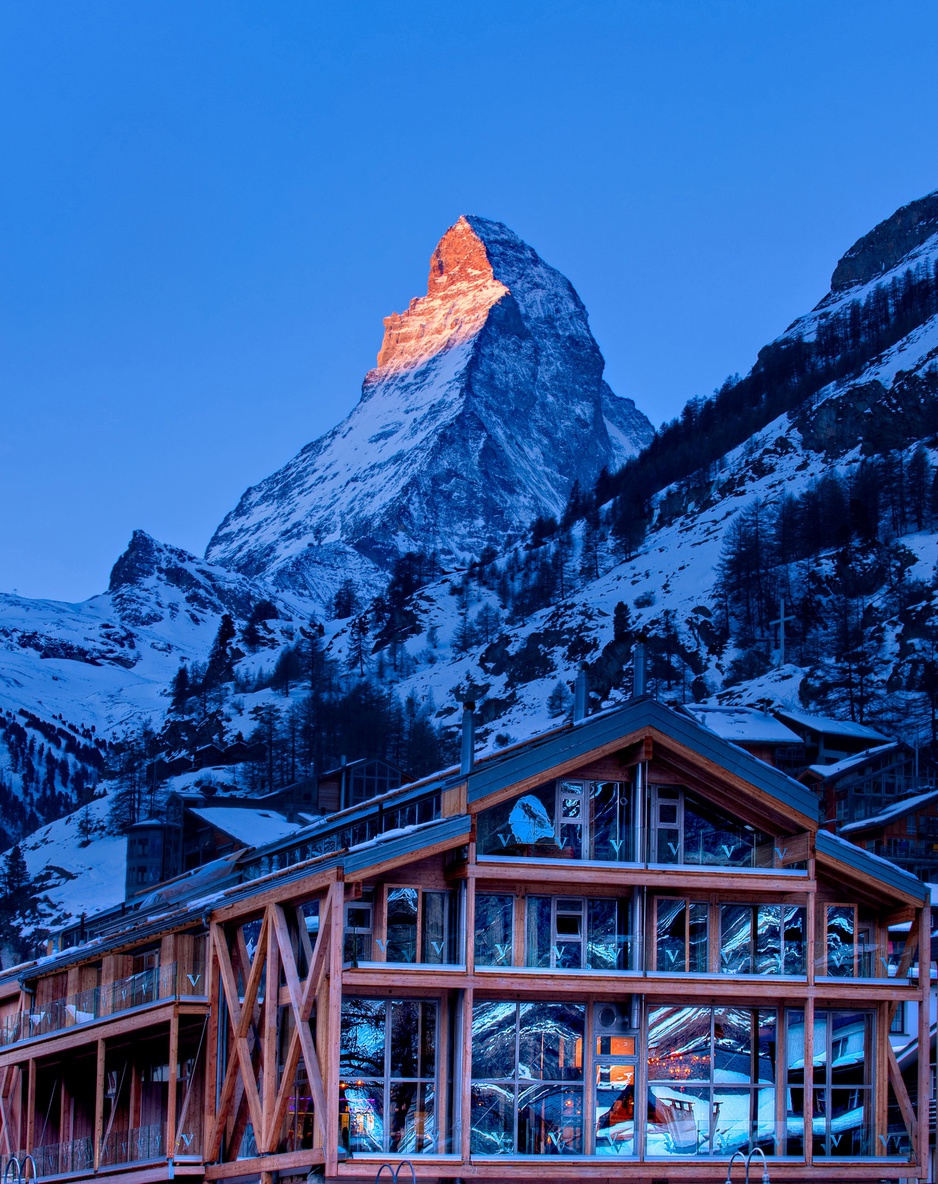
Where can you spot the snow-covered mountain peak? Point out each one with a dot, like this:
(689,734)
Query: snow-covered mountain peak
(460,291)
(487,403)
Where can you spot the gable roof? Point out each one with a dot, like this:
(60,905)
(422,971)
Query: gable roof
(742,725)
(830,727)
(607,728)
(896,810)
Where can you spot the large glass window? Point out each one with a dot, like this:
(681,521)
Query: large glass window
(570,819)
(681,929)
(421,926)
(573,933)
(527,1078)
(685,829)
(762,939)
(711,1080)
(843,1055)
(387,1095)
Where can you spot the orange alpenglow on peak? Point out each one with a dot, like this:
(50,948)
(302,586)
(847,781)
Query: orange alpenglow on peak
(460,291)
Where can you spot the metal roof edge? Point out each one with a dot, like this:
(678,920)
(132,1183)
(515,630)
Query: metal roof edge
(843,851)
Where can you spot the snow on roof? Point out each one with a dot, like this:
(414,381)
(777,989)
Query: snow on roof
(896,810)
(831,727)
(743,725)
(251,827)
(849,762)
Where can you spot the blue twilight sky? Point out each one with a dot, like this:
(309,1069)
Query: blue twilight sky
(208,207)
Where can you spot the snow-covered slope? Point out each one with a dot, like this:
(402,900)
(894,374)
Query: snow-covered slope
(486,404)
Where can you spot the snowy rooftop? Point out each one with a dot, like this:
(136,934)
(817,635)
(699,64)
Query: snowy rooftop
(850,762)
(831,727)
(896,810)
(254,828)
(743,725)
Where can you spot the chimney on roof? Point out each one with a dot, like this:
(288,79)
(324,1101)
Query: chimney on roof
(467,751)
(581,690)
(638,668)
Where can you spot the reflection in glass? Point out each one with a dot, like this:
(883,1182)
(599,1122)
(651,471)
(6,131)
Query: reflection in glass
(439,928)
(564,819)
(527,1074)
(682,937)
(841,1123)
(609,938)
(387,1067)
(615,1109)
(494,929)
(711,1080)
(402,925)
(762,939)
(686,829)
(841,936)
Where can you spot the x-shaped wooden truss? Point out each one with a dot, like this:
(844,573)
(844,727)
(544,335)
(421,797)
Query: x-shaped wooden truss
(253,1090)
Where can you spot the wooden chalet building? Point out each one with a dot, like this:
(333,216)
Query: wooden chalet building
(609,952)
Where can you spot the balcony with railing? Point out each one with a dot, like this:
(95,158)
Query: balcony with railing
(155,985)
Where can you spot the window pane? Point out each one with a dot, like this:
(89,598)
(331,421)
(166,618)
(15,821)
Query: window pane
(615,1109)
(492,1115)
(611,821)
(494,935)
(413,1038)
(732,1044)
(512,827)
(678,1120)
(679,1044)
(794,940)
(608,935)
(768,939)
(439,927)
(410,1118)
(841,926)
(671,936)
(364,1103)
(362,1043)
(493,1040)
(550,1120)
(402,925)
(538,941)
(698,960)
(736,938)
(550,1041)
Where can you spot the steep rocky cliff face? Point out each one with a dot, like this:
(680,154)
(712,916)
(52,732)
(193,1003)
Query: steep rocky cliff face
(887,244)
(486,404)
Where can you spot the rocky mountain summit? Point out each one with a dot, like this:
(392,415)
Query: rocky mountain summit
(486,404)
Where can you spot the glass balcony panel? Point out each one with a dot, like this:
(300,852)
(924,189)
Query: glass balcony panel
(494,930)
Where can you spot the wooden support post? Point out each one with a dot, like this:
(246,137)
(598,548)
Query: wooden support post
(332,1023)
(464,1101)
(268,1138)
(809,1080)
(99,1106)
(210,1093)
(881,1082)
(31,1105)
(470,927)
(924,1036)
(173,1085)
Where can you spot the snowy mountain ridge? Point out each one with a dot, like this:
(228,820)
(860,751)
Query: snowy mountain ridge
(432,457)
